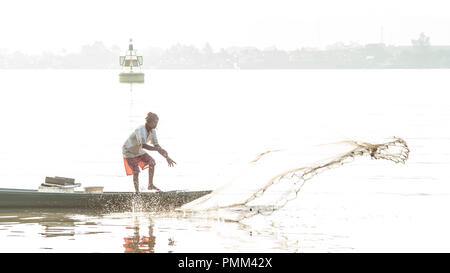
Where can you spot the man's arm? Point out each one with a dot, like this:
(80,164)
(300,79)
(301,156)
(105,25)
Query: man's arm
(163,152)
(155,147)
(151,148)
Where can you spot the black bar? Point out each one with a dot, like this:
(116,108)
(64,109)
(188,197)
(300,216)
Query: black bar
(236,262)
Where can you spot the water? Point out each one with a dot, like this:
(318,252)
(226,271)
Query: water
(212,122)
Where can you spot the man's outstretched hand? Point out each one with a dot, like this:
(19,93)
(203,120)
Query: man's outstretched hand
(166,155)
(170,162)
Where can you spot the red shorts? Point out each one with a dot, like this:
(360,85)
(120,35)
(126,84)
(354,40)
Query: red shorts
(132,164)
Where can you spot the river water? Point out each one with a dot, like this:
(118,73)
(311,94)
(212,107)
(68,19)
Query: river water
(73,123)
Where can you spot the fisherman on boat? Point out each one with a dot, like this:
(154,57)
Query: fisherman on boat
(134,155)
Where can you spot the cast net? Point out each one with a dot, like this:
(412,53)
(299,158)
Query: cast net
(276,177)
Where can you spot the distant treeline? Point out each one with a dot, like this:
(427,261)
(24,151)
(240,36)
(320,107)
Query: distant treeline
(420,54)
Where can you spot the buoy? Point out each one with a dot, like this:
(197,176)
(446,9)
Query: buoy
(131,60)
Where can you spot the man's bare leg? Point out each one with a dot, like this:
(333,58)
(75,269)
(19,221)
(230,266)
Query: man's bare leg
(136,182)
(151,172)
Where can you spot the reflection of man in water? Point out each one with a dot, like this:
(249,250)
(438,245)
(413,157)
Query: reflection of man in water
(134,155)
(136,244)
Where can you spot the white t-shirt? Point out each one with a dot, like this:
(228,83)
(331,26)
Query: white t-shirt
(133,146)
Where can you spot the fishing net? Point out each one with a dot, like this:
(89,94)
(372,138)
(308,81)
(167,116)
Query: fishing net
(275,177)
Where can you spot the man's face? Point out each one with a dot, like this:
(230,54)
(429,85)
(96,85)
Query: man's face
(152,123)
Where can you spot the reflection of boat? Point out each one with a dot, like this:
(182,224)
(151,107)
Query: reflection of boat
(18,198)
(131,60)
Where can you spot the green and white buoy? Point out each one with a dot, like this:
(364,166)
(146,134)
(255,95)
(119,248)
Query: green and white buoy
(131,60)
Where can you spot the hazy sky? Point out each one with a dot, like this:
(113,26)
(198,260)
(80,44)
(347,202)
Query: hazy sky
(51,25)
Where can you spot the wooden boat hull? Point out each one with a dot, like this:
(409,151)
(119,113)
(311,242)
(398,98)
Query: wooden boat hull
(112,201)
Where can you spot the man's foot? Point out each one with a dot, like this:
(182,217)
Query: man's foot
(153,188)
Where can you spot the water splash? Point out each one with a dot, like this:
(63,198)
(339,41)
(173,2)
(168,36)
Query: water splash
(275,177)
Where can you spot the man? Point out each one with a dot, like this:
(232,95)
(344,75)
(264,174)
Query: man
(134,155)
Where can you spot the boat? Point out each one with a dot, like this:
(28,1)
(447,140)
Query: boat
(110,201)
(131,59)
